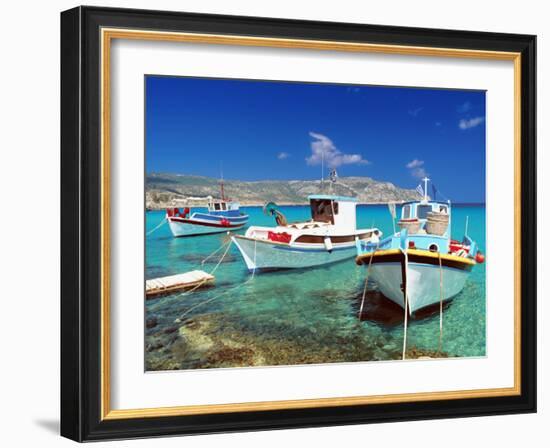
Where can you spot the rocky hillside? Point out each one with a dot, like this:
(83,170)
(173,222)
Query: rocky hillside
(165,190)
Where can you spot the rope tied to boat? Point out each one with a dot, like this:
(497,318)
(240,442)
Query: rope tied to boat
(406,296)
(440,303)
(198,285)
(215,252)
(157,227)
(366,283)
(179,319)
(254,270)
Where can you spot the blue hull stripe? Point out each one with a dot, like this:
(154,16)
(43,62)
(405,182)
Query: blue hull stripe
(299,249)
(231,219)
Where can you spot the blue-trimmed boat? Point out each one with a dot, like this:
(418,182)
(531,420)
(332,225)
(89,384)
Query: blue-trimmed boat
(222,215)
(420,265)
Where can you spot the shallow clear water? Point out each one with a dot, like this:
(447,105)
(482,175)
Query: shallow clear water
(295,317)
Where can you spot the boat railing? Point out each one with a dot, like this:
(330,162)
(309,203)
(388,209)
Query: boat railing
(404,240)
(467,241)
(370,246)
(258,233)
(308,225)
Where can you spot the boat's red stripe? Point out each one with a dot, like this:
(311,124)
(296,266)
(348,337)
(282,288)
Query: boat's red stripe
(201,223)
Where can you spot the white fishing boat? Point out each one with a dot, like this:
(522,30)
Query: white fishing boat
(329,236)
(420,265)
(222,215)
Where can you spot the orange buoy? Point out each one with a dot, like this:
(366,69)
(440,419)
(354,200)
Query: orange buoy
(480,258)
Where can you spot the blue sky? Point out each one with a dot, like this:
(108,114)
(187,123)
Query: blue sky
(258,130)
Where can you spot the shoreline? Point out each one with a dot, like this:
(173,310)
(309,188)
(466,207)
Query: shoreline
(282,204)
(295,204)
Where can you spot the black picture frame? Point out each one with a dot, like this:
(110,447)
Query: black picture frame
(81,224)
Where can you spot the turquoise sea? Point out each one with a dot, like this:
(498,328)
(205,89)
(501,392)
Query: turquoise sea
(297,317)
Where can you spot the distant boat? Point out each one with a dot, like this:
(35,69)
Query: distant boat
(223,215)
(421,261)
(329,236)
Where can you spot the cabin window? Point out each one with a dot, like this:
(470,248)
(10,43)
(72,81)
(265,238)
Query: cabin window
(443,209)
(223,205)
(406,212)
(216,206)
(323,210)
(422,211)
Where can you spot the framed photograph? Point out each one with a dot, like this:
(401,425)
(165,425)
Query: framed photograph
(276,224)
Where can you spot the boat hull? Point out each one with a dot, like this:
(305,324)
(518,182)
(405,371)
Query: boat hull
(423,283)
(421,271)
(268,255)
(184,228)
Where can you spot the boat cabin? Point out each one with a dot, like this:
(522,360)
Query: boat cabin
(420,210)
(426,218)
(222,207)
(334,210)
(424,225)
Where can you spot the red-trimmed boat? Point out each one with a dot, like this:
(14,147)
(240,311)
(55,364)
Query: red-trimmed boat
(222,215)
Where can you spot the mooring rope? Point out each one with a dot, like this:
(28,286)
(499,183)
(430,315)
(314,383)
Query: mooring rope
(221,259)
(215,252)
(440,304)
(212,271)
(406,304)
(366,283)
(157,227)
(179,319)
(254,270)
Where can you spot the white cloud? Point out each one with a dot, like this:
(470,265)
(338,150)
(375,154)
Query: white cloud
(416,168)
(419,173)
(415,112)
(283,155)
(464,107)
(470,122)
(415,163)
(323,147)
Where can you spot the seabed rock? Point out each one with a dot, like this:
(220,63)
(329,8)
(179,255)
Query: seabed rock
(214,341)
(418,353)
(151,322)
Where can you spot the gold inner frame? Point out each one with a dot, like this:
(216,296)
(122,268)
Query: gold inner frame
(107,35)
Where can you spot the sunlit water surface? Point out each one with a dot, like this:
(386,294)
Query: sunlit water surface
(296,317)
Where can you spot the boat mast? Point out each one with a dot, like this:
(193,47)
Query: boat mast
(425,189)
(322,168)
(222,191)
(221,182)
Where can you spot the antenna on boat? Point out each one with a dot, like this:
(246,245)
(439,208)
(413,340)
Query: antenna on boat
(221,181)
(426,188)
(393,213)
(322,168)
(333,178)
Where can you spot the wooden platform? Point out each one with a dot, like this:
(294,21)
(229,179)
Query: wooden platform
(172,283)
